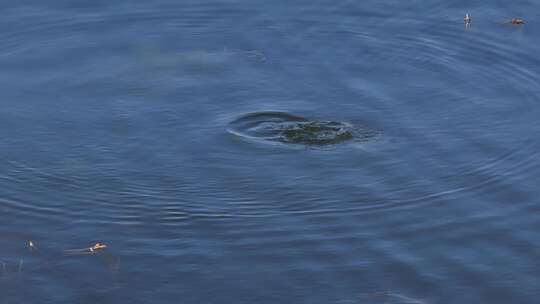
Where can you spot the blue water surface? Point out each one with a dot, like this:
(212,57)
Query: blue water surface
(119,123)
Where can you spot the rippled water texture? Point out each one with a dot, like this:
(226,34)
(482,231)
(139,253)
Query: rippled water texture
(264,152)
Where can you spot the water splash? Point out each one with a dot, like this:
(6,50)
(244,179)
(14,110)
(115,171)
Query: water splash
(291,129)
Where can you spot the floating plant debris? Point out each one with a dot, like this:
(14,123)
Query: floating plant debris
(31,246)
(92,249)
(467,19)
(517,21)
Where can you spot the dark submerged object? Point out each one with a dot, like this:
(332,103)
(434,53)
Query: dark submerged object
(317,133)
(291,129)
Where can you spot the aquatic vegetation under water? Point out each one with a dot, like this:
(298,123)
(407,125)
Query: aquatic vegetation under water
(317,132)
(291,129)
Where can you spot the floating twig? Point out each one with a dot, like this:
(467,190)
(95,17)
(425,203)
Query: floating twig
(89,250)
(98,246)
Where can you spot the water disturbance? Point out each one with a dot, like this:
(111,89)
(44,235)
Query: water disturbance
(287,128)
(269,152)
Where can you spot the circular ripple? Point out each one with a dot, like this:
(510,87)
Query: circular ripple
(445,146)
(461,104)
(291,129)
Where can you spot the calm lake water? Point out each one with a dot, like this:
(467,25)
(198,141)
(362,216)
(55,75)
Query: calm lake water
(156,127)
